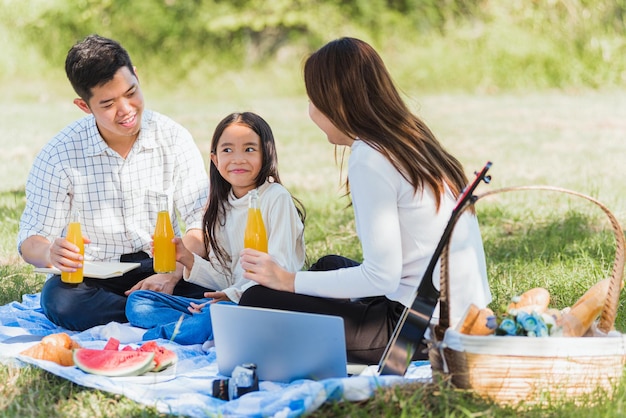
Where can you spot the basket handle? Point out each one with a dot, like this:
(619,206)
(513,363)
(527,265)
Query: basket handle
(609,311)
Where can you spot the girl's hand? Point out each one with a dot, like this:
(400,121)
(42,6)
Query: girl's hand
(261,268)
(183,255)
(217,297)
(196,307)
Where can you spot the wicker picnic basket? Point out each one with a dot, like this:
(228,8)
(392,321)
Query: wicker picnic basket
(525,371)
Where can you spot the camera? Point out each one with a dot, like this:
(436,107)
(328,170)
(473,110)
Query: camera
(244,379)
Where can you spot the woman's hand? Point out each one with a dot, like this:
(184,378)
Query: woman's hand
(261,268)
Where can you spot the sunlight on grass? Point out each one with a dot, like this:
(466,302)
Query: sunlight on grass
(482,81)
(567,140)
(530,239)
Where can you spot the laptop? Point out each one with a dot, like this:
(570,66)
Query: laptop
(284,345)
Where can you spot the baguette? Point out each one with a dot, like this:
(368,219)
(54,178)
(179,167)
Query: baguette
(577,321)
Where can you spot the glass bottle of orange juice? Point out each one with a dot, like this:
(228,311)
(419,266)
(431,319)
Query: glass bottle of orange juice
(75,236)
(255,236)
(164,260)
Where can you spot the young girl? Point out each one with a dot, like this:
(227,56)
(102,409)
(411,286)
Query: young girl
(243,157)
(403,187)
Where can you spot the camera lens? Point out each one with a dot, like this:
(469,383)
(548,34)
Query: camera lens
(220,389)
(244,380)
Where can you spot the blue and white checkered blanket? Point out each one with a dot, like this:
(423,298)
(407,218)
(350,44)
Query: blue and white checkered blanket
(187,388)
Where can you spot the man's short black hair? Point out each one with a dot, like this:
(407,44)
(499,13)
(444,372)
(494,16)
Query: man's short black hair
(93,62)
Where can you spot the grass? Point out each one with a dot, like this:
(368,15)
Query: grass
(572,140)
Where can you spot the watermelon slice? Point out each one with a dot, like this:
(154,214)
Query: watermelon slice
(162,356)
(113,363)
(112,344)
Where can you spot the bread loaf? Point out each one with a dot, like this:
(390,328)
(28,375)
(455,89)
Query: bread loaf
(579,318)
(477,321)
(533,300)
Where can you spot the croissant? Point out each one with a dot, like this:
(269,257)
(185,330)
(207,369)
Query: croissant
(60,339)
(55,347)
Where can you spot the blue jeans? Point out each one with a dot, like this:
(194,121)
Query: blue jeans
(159,313)
(99,301)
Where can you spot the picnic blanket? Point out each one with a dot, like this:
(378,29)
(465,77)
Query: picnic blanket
(185,389)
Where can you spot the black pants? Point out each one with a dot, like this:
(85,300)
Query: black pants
(99,301)
(368,322)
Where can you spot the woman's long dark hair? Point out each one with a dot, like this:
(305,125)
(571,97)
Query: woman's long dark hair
(348,82)
(218,205)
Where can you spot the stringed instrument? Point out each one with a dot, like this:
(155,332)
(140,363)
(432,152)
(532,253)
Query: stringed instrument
(414,321)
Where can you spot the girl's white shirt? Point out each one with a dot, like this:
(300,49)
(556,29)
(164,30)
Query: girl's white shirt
(399,231)
(285,236)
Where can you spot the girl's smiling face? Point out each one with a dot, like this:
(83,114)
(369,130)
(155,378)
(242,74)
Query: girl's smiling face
(238,158)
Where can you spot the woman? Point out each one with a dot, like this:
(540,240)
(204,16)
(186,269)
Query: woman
(403,187)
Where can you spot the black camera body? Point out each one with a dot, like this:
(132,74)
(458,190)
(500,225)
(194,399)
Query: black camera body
(244,380)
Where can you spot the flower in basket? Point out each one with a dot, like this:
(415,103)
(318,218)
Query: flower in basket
(528,315)
(523,323)
(533,324)
(508,326)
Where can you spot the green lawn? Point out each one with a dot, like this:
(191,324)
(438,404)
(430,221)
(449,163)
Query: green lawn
(567,139)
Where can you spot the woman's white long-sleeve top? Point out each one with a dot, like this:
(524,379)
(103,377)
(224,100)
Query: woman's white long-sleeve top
(285,236)
(399,231)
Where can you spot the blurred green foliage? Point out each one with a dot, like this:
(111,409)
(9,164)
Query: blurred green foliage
(432,44)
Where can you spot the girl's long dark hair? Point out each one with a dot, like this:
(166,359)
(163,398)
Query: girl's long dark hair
(348,82)
(218,205)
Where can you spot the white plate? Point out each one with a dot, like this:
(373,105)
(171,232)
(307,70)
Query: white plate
(150,377)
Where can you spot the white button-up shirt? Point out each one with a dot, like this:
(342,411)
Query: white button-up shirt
(117,197)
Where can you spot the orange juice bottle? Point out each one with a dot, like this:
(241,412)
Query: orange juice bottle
(164,249)
(75,236)
(255,236)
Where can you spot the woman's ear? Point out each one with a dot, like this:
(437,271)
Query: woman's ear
(82,105)
(214,159)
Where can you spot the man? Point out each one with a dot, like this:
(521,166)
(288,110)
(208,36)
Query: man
(110,166)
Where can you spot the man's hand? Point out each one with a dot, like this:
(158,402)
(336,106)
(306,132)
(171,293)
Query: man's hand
(65,256)
(163,283)
(61,253)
